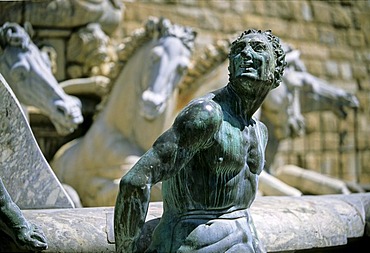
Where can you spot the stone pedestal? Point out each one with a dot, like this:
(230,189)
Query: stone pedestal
(284,224)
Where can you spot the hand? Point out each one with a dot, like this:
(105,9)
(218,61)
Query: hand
(30,237)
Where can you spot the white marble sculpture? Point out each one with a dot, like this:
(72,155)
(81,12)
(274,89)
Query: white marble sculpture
(306,93)
(139,109)
(28,72)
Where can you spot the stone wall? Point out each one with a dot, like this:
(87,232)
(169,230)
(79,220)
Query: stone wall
(335,45)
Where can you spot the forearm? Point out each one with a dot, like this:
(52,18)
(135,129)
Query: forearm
(162,161)
(10,215)
(98,85)
(130,212)
(134,195)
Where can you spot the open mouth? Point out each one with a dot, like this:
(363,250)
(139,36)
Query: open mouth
(248,69)
(248,66)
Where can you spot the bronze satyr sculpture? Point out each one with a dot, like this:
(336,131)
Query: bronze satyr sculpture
(284,108)
(208,161)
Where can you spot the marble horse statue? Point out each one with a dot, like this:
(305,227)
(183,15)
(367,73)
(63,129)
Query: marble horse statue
(21,161)
(29,74)
(137,111)
(306,93)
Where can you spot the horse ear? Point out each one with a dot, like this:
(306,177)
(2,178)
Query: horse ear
(2,37)
(194,33)
(29,29)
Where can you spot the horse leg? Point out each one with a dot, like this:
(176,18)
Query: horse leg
(100,187)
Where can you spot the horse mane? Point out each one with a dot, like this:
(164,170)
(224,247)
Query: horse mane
(154,28)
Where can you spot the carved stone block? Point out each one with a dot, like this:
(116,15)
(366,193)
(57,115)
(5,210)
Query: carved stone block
(26,175)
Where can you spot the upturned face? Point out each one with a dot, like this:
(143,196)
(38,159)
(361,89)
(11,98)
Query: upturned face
(252,58)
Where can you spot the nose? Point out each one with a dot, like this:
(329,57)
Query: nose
(247,53)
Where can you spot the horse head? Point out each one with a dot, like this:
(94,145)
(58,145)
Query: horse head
(29,74)
(165,63)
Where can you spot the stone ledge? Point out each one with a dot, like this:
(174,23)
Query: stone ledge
(297,223)
(283,223)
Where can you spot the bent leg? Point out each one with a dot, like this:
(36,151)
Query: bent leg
(220,235)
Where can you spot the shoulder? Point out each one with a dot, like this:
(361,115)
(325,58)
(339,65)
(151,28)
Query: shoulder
(200,113)
(200,119)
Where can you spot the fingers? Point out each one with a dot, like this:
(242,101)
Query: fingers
(33,239)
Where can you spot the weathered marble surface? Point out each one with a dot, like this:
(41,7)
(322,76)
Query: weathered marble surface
(142,98)
(293,223)
(284,224)
(310,182)
(26,175)
(270,185)
(64,13)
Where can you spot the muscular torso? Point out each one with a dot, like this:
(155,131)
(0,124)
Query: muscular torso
(223,176)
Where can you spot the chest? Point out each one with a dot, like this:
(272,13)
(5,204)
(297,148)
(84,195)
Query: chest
(235,149)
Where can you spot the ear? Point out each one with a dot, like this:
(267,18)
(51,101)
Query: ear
(29,29)
(194,34)
(276,84)
(275,81)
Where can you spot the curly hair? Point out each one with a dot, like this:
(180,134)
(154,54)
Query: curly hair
(279,53)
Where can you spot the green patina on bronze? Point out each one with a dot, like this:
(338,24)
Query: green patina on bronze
(208,161)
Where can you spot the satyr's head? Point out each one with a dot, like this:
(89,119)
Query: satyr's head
(256,56)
